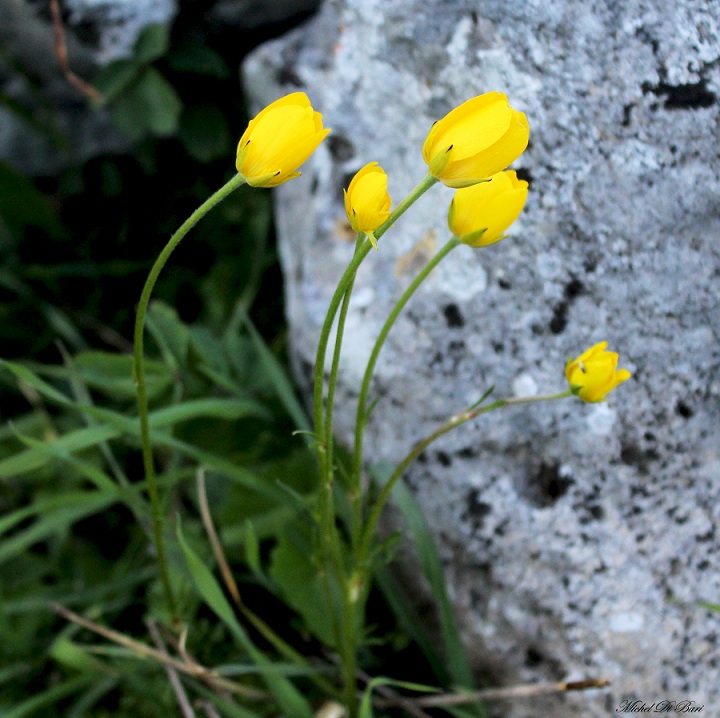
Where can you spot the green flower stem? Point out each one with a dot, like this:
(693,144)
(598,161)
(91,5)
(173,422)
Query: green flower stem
(332,381)
(330,539)
(337,297)
(455,421)
(139,376)
(362,414)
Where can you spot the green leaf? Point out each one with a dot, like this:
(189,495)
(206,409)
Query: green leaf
(230,709)
(277,374)
(47,698)
(71,655)
(205,133)
(160,102)
(288,698)
(115,78)
(197,58)
(34,458)
(292,569)
(457,663)
(68,512)
(113,374)
(400,603)
(366,710)
(48,505)
(153,43)
(169,332)
(21,205)
(129,112)
(252,549)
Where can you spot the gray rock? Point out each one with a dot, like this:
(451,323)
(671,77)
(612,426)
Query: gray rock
(575,536)
(118,23)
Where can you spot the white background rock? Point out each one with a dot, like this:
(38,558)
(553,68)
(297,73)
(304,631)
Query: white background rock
(567,530)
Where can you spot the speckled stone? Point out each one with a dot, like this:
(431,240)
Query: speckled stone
(575,537)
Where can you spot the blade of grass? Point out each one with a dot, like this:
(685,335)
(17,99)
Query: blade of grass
(31,459)
(81,707)
(366,709)
(46,505)
(82,396)
(277,374)
(458,666)
(287,696)
(281,646)
(62,516)
(68,595)
(126,491)
(230,709)
(409,620)
(89,471)
(47,698)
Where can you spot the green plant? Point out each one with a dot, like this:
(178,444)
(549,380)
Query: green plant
(267,569)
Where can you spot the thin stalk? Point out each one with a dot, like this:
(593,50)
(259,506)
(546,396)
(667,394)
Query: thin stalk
(453,423)
(330,538)
(139,376)
(361,416)
(337,297)
(332,381)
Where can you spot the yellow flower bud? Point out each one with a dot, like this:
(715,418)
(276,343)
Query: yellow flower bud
(476,140)
(278,140)
(367,202)
(480,214)
(594,373)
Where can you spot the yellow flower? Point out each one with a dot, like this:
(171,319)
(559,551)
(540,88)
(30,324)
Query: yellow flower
(278,140)
(480,214)
(478,139)
(367,202)
(594,373)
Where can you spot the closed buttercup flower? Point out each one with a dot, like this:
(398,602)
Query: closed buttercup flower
(480,214)
(278,140)
(594,373)
(476,140)
(367,202)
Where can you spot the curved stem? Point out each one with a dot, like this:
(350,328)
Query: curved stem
(455,421)
(323,429)
(139,376)
(337,297)
(362,416)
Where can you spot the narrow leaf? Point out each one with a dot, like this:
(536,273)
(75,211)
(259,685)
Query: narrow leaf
(457,663)
(289,699)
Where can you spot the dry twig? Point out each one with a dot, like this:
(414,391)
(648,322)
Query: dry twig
(172,674)
(190,668)
(495,694)
(62,56)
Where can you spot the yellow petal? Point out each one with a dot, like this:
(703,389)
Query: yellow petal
(464,121)
(593,374)
(491,206)
(478,139)
(367,202)
(278,140)
(503,211)
(494,158)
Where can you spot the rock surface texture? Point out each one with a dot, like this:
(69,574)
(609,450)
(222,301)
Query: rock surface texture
(575,536)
